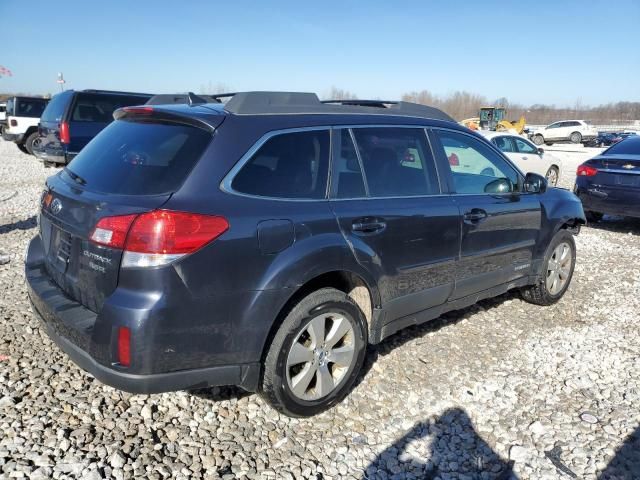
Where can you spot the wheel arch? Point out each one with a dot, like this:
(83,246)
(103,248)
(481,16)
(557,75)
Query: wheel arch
(355,285)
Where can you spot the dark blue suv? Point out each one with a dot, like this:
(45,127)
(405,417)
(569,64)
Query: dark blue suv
(73,118)
(266,241)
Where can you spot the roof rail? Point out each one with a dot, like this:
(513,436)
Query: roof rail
(256,103)
(93,90)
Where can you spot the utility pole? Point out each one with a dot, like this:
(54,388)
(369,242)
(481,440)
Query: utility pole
(61,81)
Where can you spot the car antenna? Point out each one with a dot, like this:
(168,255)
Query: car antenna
(195,99)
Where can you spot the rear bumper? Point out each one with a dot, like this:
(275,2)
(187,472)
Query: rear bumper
(74,329)
(600,200)
(52,155)
(12,137)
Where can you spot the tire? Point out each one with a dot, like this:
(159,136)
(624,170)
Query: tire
(323,308)
(22,148)
(28,143)
(593,217)
(538,139)
(546,291)
(552,176)
(575,137)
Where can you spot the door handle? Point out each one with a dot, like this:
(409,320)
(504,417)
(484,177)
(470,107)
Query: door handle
(475,215)
(368,227)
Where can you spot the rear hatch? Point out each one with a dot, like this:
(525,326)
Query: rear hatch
(132,166)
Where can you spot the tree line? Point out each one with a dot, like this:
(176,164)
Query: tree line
(462,104)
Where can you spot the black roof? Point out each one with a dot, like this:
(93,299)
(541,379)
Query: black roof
(275,103)
(93,90)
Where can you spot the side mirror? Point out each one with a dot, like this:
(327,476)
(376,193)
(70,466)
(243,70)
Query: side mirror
(499,185)
(534,183)
(540,151)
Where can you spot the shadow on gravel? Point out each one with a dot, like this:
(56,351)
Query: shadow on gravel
(626,463)
(218,394)
(618,225)
(447,447)
(27,224)
(411,333)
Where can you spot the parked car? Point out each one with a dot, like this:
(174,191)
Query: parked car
(22,117)
(73,118)
(574,131)
(604,139)
(526,156)
(267,241)
(610,182)
(3,114)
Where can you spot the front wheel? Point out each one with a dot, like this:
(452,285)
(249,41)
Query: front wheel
(552,176)
(559,264)
(316,354)
(22,148)
(538,139)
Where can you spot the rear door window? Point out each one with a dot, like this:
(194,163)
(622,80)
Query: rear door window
(139,158)
(397,162)
(27,107)
(505,144)
(94,107)
(55,109)
(288,165)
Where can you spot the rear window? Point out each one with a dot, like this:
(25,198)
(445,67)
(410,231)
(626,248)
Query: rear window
(55,108)
(31,107)
(93,107)
(290,165)
(139,158)
(629,146)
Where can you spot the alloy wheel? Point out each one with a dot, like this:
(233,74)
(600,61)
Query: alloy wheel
(320,356)
(559,268)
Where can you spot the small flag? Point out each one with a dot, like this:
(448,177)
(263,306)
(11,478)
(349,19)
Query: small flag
(5,72)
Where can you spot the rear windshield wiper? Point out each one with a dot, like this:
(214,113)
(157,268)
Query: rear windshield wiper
(76,178)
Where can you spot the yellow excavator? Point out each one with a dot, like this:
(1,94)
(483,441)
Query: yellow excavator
(493,118)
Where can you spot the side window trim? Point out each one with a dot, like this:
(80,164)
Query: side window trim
(225,184)
(364,174)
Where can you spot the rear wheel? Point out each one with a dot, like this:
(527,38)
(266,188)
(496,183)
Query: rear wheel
(30,141)
(552,176)
(22,148)
(316,354)
(593,217)
(575,137)
(559,263)
(538,139)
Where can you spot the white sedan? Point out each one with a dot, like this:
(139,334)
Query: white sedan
(526,156)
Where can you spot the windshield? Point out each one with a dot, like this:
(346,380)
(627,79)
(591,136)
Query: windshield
(138,158)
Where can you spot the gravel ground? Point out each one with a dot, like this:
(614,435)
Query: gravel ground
(500,390)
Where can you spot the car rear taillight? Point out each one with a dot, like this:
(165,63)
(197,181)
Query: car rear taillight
(124,346)
(158,237)
(586,171)
(65,136)
(13,122)
(112,231)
